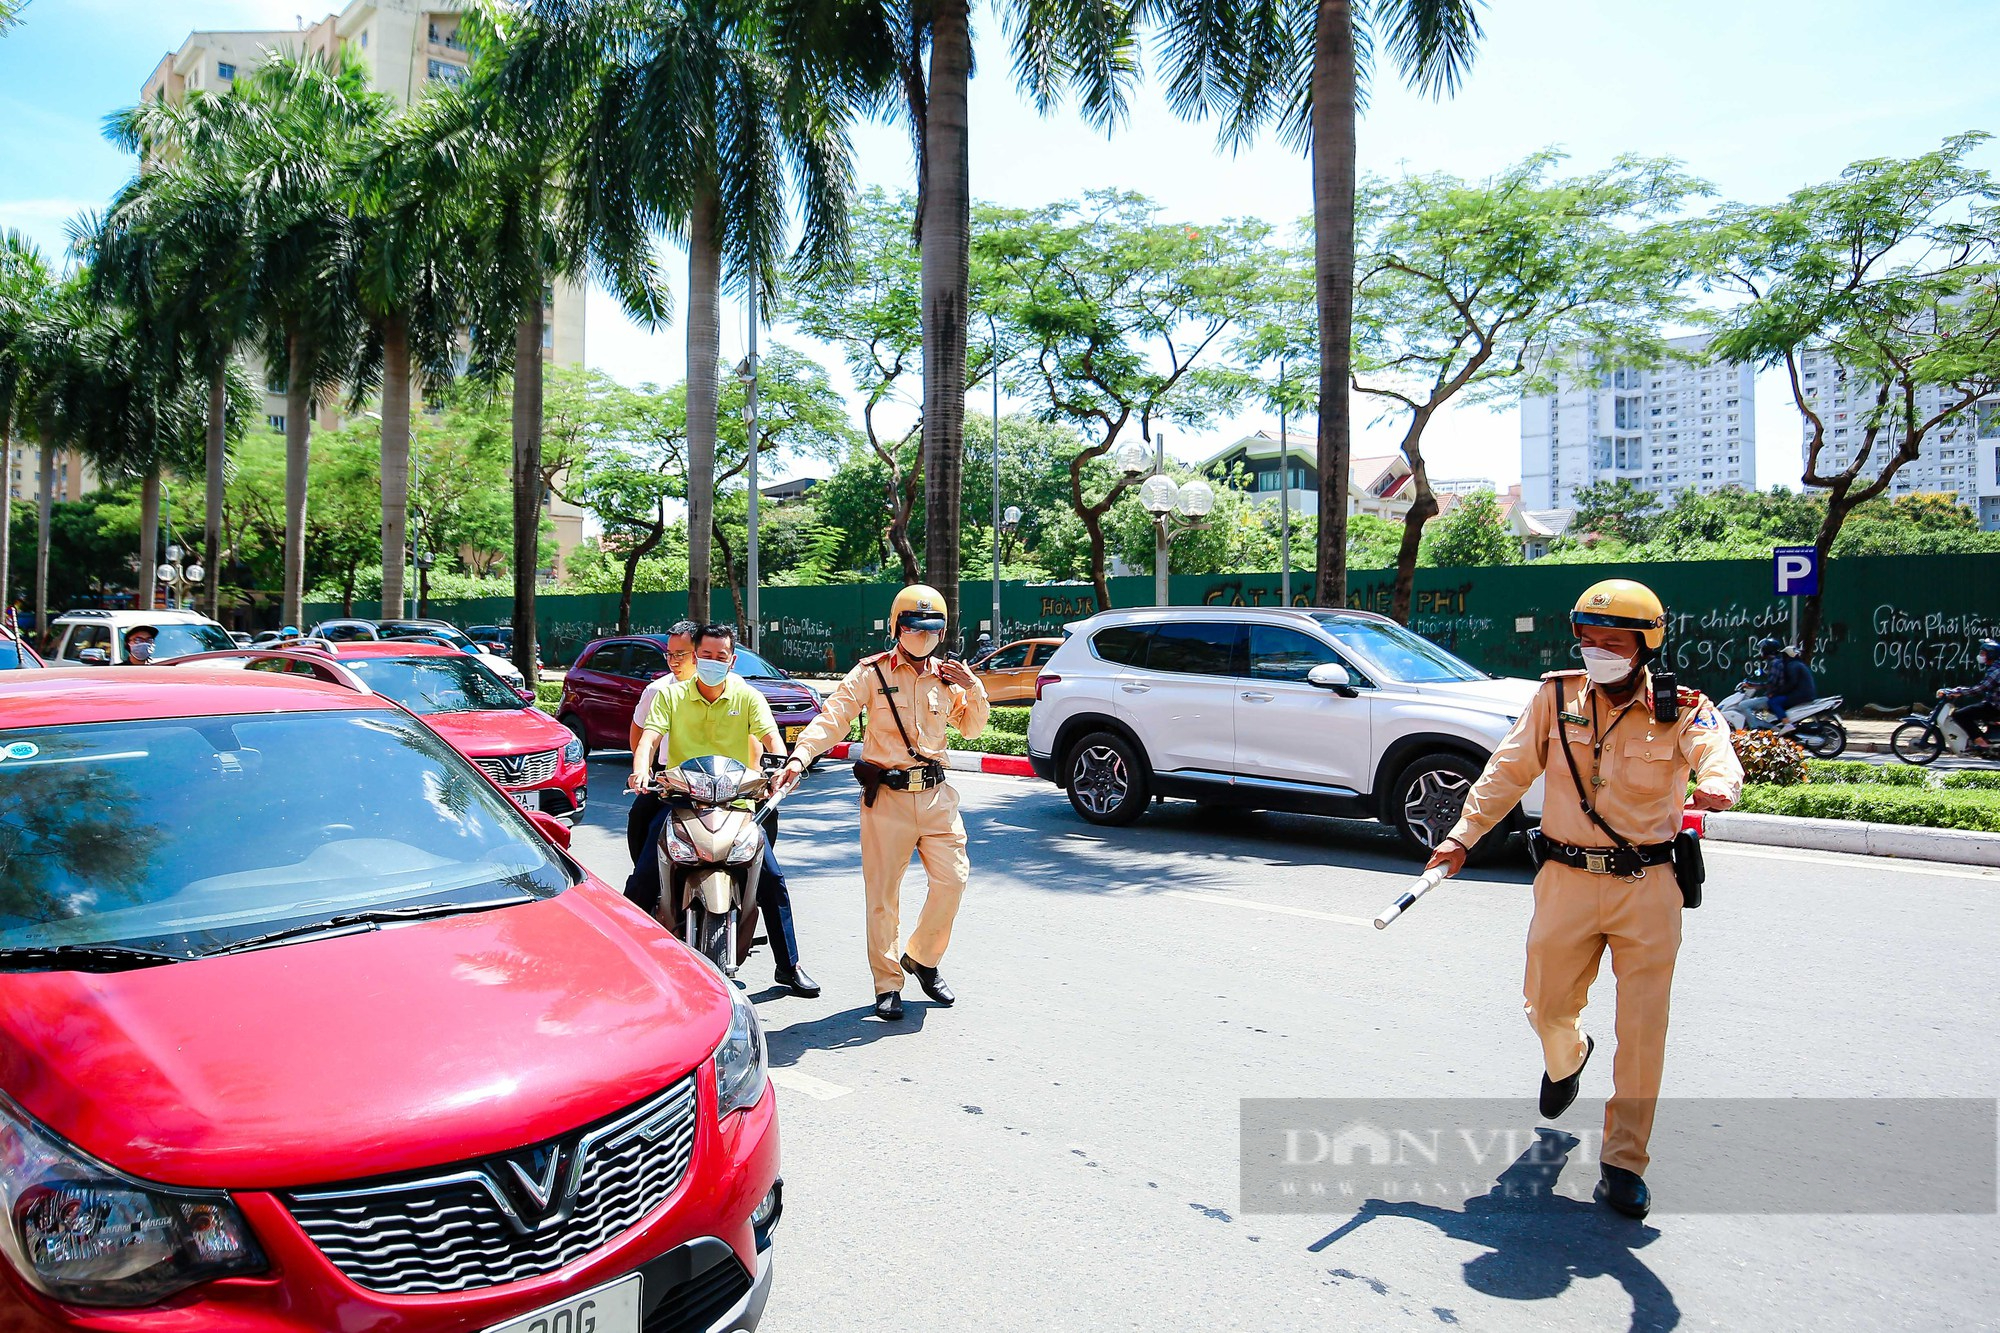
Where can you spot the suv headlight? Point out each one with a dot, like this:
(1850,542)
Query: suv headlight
(739,1062)
(573,752)
(83,1232)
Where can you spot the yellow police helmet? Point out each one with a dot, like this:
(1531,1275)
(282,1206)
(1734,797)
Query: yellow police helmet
(917,607)
(1622,604)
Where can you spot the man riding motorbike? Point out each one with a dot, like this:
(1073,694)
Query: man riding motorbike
(1786,682)
(1980,709)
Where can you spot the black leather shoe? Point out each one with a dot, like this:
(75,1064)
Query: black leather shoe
(795,980)
(889,1007)
(1559,1094)
(933,984)
(1624,1190)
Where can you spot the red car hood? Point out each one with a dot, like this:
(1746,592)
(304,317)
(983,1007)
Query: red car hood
(784,695)
(333,1060)
(499,731)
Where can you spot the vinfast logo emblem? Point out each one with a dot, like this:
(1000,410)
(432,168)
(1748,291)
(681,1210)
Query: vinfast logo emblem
(539,1185)
(513,767)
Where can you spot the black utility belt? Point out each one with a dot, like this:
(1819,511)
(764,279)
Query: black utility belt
(920,778)
(1600,860)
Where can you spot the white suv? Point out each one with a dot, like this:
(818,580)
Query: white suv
(97,638)
(1340,713)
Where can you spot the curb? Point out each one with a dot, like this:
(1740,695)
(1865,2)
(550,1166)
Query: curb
(963,761)
(1953,846)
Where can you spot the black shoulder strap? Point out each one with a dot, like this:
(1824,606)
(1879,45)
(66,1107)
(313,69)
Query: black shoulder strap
(890,696)
(1583,797)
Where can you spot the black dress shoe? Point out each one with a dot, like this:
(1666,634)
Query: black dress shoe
(928,978)
(1558,1094)
(795,980)
(1624,1190)
(889,1007)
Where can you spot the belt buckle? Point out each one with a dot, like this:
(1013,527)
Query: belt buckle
(914,779)
(1597,863)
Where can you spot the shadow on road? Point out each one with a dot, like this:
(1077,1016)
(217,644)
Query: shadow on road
(845,1031)
(1537,1241)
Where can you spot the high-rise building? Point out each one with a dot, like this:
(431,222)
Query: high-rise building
(1687,424)
(73,479)
(406,46)
(1960,458)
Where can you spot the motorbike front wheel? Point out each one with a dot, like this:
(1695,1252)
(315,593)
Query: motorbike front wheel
(711,939)
(1917,742)
(1822,737)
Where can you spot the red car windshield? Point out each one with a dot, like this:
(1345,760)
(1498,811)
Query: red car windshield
(191,834)
(427,685)
(13,659)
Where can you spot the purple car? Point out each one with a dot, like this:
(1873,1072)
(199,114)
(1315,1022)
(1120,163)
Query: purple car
(603,686)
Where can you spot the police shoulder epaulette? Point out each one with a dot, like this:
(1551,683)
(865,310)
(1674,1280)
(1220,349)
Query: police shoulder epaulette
(1562,675)
(873,658)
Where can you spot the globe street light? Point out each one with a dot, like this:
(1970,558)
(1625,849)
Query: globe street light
(1176,507)
(177,578)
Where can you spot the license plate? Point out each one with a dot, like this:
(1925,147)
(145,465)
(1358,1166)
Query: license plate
(792,734)
(612,1308)
(527,800)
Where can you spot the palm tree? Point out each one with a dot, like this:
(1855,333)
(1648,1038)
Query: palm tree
(25,287)
(1304,64)
(690,120)
(175,244)
(58,389)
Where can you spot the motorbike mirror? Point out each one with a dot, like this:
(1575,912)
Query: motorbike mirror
(551,828)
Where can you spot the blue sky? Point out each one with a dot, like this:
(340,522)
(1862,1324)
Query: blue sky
(1759,98)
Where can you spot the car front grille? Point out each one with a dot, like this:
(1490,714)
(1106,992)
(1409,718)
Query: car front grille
(696,1304)
(506,1218)
(521,770)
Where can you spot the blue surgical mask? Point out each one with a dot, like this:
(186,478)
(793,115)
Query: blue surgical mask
(712,672)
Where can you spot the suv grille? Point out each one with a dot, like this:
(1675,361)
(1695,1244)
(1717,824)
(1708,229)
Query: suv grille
(507,1218)
(520,770)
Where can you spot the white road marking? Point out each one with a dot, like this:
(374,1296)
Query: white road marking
(807,1086)
(1224,900)
(1851,861)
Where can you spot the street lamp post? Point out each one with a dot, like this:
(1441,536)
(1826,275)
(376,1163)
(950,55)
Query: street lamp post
(178,578)
(1175,508)
(1284,496)
(749,373)
(993,370)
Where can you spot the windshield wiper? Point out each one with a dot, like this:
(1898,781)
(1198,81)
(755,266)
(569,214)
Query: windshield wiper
(83,958)
(351,922)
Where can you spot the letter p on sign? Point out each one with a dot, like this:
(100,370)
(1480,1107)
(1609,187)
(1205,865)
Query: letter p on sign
(1795,571)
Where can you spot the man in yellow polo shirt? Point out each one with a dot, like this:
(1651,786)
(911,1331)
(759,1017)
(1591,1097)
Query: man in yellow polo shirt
(718,712)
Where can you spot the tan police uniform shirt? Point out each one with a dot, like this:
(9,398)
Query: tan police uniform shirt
(923,698)
(1643,765)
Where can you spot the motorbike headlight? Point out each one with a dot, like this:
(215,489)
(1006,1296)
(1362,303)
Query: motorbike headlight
(80,1231)
(739,1062)
(573,752)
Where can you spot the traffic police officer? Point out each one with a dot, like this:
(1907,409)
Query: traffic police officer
(909,697)
(1600,886)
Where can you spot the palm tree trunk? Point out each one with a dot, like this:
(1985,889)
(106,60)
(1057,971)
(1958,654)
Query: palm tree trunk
(6,512)
(298,454)
(704,349)
(1333,115)
(215,467)
(946,243)
(527,481)
(45,504)
(149,538)
(396,459)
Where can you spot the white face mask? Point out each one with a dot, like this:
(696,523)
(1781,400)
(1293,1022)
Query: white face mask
(917,646)
(1606,667)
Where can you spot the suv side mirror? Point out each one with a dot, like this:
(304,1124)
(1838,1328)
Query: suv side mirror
(94,656)
(1331,676)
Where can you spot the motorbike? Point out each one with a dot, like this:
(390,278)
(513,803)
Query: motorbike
(1815,726)
(711,854)
(1922,737)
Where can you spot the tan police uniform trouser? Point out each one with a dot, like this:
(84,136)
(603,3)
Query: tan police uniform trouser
(1577,914)
(901,822)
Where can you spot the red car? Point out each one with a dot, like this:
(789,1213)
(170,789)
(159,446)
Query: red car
(602,687)
(520,747)
(16,655)
(304,1026)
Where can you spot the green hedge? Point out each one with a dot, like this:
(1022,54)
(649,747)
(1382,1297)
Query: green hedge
(548,693)
(1971,779)
(1876,803)
(1854,770)
(989,742)
(1008,718)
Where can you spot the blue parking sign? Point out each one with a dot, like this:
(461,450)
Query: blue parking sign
(1795,571)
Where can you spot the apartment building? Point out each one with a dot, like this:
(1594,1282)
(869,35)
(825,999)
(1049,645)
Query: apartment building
(1960,458)
(1688,424)
(406,46)
(74,477)
(1378,484)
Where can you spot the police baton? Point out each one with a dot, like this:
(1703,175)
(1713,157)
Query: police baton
(1431,879)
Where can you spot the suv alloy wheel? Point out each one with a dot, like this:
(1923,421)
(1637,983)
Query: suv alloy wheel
(1107,779)
(1428,798)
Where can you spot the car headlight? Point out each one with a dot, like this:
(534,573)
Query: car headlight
(573,752)
(739,1062)
(83,1232)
